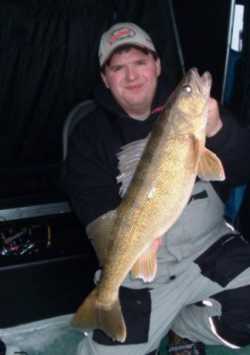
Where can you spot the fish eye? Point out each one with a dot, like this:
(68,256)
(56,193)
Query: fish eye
(187,88)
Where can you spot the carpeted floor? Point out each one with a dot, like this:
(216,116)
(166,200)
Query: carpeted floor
(56,337)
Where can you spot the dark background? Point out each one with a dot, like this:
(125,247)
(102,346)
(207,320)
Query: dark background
(203,31)
(48,64)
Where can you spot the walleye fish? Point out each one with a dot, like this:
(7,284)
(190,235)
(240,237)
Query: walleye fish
(175,154)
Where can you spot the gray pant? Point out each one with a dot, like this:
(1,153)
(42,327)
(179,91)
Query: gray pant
(173,299)
(173,307)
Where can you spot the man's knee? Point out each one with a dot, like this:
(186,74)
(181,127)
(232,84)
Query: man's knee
(234,323)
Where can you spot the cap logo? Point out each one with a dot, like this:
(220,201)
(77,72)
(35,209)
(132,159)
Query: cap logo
(121,33)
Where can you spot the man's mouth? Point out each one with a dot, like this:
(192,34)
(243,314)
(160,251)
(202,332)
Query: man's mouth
(134,87)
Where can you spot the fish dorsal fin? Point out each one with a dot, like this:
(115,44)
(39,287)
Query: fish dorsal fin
(128,159)
(210,167)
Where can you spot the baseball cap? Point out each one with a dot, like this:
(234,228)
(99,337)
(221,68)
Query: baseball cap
(121,34)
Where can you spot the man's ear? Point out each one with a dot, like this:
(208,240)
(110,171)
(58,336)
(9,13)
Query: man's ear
(158,67)
(104,79)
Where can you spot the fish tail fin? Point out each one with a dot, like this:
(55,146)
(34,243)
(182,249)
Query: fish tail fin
(108,318)
(145,267)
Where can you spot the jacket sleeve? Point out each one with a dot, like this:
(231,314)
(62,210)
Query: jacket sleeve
(90,184)
(232,146)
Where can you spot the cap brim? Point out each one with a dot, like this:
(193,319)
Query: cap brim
(120,45)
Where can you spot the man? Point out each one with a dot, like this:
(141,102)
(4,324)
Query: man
(203,281)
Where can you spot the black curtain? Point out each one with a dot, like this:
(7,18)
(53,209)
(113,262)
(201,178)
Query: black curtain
(203,30)
(48,64)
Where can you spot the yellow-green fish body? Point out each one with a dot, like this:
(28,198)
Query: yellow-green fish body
(160,189)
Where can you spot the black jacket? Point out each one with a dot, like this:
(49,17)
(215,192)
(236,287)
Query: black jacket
(91,164)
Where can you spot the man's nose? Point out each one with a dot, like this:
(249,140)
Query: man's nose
(131,73)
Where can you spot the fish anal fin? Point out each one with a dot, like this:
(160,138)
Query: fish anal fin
(210,167)
(108,318)
(145,267)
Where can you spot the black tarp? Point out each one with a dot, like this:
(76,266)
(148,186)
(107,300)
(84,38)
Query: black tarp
(203,31)
(48,64)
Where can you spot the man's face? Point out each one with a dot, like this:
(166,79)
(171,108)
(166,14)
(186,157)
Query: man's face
(132,78)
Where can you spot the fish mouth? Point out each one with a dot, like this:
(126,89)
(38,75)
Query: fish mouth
(202,82)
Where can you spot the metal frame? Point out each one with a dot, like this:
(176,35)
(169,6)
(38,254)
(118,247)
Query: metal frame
(39,210)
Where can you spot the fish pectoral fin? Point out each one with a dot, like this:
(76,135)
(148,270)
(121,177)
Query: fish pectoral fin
(108,318)
(145,267)
(210,167)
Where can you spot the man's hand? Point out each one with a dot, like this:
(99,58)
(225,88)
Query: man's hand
(214,123)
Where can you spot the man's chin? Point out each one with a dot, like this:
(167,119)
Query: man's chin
(137,109)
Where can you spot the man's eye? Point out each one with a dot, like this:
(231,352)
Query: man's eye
(117,68)
(141,62)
